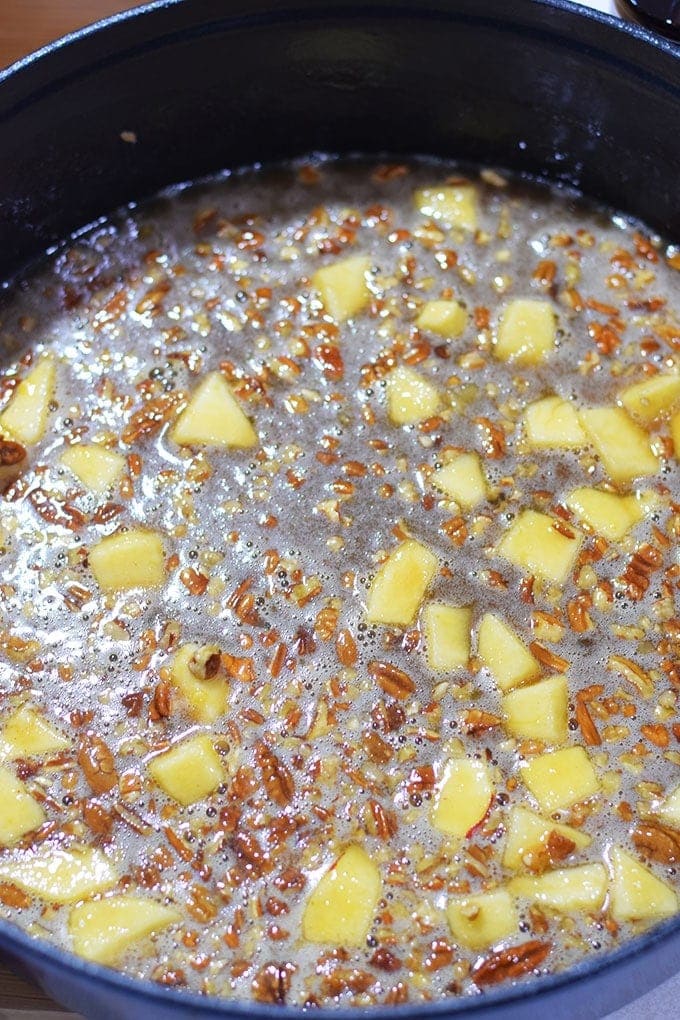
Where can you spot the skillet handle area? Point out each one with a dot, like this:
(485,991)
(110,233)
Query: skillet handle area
(177,90)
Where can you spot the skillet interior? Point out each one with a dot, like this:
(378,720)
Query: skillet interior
(216,83)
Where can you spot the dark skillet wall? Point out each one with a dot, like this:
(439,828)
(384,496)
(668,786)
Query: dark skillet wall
(208,84)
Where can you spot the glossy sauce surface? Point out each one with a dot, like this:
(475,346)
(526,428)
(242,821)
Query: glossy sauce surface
(338,731)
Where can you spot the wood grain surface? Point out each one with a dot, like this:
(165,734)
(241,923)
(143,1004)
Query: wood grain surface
(25,25)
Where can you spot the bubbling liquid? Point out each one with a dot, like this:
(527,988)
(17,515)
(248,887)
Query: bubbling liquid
(270,554)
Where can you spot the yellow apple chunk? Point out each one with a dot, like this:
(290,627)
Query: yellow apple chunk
(464,796)
(27,734)
(19,812)
(342,286)
(622,445)
(526,332)
(340,909)
(462,480)
(675,434)
(565,889)
(636,894)
(480,921)
(60,876)
(668,810)
(96,467)
(607,513)
(445,318)
(447,636)
(528,837)
(536,543)
(560,779)
(102,930)
(25,417)
(206,700)
(553,424)
(214,417)
(452,205)
(652,398)
(189,771)
(540,711)
(400,584)
(505,656)
(410,396)
(128,559)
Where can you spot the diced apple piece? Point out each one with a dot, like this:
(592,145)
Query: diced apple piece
(480,921)
(538,544)
(19,812)
(675,434)
(189,771)
(25,417)
(410,396)
(27,734)
(96,467)
(447,636)
(453,205)
(552,423)
(464,796)
(60,876)
(342,286)
(462,480)
(214,417)
(129,559)
(636,894)
(526,332)
(102,930)
(669,808)
(653,397)
(540,711)
(340,909)
(528,837)
(607,513)
(560,779)
(565,889)
(400,584)
(505,656)
(207,700)
(622,445)
(445,318)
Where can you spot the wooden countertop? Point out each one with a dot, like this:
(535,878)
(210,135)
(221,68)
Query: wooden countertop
(25,25)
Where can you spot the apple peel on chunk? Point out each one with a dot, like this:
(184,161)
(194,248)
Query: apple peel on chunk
(464,797)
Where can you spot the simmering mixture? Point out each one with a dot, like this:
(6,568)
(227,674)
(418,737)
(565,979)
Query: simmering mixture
(339,649)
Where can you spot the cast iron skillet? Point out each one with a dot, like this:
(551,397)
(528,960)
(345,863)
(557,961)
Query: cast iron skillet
(537,86)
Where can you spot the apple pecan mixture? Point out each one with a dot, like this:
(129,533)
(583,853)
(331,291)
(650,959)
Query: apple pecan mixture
(339,649)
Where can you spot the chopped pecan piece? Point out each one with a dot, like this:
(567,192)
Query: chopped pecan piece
(383,959)
(475,722)
(272,982)
(96,761)
(510,963)
(392,680)
(13,460)
(150,418)
(277,780)
(56,511)
(657,842)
